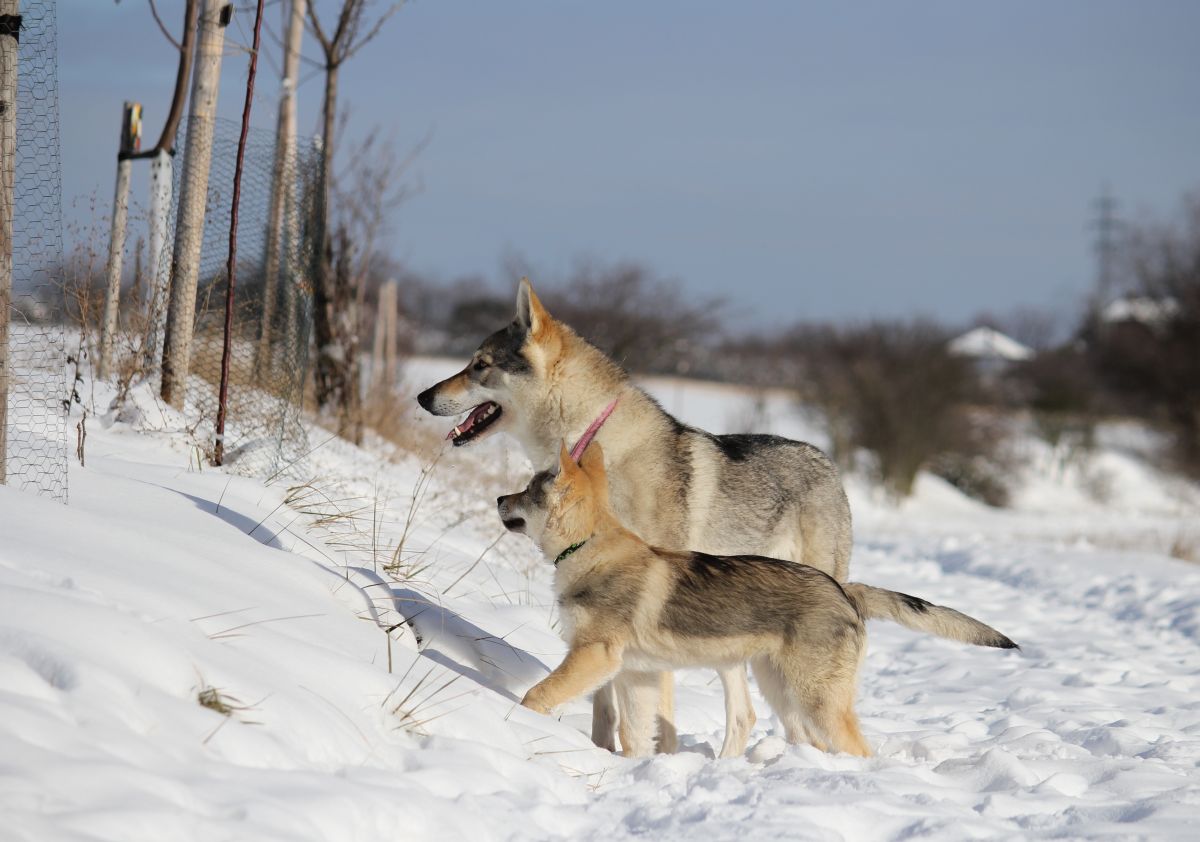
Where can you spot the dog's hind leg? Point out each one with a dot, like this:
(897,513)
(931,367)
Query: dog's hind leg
(637,697)
(667,739)
(604,717)
(833,716)
(739,710)
(824,689)
(780,695)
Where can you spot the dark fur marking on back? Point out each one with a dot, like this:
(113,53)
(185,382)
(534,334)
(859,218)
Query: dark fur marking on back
(736,446)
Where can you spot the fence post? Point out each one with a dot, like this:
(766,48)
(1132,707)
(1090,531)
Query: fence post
(131,142)
(10,31)
(189,230)
(383,357)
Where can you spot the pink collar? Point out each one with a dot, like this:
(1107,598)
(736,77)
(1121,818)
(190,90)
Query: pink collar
(590,432)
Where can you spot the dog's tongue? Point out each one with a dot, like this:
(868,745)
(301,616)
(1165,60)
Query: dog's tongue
(476,414)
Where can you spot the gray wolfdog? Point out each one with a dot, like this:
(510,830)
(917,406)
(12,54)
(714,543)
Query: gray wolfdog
(628,607)
(675,486)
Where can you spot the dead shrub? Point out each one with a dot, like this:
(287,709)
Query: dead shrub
(893,390)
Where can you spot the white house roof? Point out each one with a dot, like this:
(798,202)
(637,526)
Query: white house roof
(987,343)
(1145,310)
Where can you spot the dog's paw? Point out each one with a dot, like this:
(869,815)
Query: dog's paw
(535,704)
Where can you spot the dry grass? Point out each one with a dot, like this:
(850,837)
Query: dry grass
(1185,546)
(1183,542)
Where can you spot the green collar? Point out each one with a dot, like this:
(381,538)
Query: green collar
(568,551)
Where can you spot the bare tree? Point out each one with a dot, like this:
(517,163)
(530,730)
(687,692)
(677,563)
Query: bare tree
(365,195)
(645,322)
(1150,363)
(336,335)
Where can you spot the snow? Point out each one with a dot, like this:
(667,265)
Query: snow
(991,344)
(163,581)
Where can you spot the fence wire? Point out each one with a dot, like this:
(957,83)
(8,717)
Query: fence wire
(33,440)
(272,315)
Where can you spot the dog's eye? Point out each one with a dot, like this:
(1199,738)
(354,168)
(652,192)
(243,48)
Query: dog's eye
(480,365)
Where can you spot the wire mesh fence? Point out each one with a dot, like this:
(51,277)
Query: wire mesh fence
(33,417)
(272,303)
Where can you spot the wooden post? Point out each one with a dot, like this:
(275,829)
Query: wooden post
(385,336)
(131,142)
(282,185)
(193,194)
(10,31)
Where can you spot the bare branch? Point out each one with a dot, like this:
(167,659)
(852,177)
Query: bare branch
(353,48)
(162,27)
(346,39)
(319,32)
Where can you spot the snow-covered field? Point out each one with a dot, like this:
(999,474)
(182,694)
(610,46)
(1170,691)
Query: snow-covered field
(191,654)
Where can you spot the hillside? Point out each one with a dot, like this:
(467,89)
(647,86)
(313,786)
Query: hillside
(337,654)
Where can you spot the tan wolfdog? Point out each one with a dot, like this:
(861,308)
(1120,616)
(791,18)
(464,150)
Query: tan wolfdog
(634,609)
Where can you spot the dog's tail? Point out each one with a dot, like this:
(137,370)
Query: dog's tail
(917,614)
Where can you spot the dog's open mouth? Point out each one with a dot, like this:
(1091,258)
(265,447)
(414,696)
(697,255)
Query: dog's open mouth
(477,420)
(514,524)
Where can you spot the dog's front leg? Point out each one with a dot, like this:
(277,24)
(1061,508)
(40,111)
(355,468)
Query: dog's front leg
(604,717)
(585,668)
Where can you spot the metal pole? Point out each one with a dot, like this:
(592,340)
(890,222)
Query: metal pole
(189,231)
(131,141)
(219,449)
(10,31)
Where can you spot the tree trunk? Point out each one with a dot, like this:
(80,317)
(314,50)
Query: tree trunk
(283,185)
(326,376)
(116,259)
(161,187)
(345,322)
(189,229)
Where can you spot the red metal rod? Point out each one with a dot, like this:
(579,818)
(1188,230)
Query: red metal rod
(226,351)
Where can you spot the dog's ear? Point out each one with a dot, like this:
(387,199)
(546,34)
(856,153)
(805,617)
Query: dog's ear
(531,315)
(566,465)
(592,463)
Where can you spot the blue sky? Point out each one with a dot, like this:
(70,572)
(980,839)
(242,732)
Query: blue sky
(805,160)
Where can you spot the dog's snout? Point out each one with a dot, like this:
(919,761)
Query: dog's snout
(425,399)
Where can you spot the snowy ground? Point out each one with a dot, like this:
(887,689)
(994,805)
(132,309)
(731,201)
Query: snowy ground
(163,585)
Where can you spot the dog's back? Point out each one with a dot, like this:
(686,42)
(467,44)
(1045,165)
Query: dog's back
(734,596)
(678,486)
